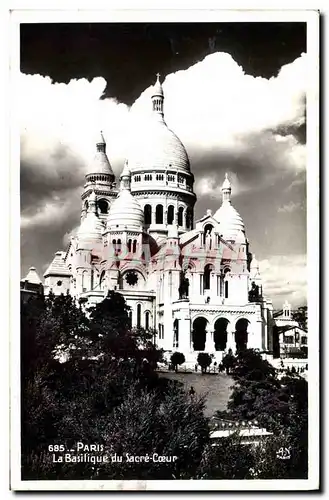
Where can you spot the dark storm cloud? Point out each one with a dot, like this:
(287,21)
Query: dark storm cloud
(134,52)
(46,177)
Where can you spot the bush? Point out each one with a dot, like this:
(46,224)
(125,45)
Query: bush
(177,358)
(204,360)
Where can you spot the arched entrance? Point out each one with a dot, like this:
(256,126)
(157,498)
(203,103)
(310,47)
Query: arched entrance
(220,334)
(241,334)
(199,334)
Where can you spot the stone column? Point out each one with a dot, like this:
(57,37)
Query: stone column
(153,215)
(209,346)
(231,341)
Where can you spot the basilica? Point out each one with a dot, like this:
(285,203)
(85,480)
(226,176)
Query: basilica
(196,283)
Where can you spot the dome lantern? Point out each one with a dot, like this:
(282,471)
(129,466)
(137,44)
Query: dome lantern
(226,189)
(101,144)
(125,177)
(230,220)
(157,97)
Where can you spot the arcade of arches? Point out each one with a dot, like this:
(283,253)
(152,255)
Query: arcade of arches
(220,337)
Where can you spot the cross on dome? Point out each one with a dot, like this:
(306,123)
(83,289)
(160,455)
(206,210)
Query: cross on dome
(157,94)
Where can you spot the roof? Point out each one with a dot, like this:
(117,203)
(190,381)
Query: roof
(125,211)
(32,276)
(157,148)
(100,163)
(252,432)
(287,328)
(230,221)
(58,266)
(91,228)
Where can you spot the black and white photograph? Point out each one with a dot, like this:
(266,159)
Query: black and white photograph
(167,206)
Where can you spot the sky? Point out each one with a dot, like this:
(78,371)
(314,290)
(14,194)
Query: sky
(234,94)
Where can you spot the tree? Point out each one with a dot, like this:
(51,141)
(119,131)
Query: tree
(228,361)
(301,317)
(229,460)
(105,391)
(278,405)
(177,358)
(204,360)
(250,365)
(148,424)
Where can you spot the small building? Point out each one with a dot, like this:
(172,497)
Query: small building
(292,341)
(31,285)
(249,433)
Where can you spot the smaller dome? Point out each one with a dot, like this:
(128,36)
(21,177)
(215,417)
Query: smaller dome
(229,219)
(91,228)
(100,163)
(125,211)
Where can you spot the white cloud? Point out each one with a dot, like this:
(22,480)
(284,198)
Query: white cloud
(213,106)
(285,278)
(69,116)
(290,207)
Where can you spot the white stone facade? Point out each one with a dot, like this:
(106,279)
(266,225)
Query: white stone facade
(196,284)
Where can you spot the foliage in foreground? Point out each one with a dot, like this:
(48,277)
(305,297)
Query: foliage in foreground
(108,393)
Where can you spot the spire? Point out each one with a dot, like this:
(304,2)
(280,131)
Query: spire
(157,97)
(32,276)
(125,177)
(226,189)
(101,144)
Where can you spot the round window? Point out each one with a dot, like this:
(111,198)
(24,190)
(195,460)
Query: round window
(59,283)
(131,278)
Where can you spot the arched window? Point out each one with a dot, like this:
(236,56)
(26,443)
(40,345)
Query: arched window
(207,230)
(119,246)
(114,243)
(226,271)
(188,219)
(129,245)
(139,313)
(147,320)
(180,216)
(147,214)
(170,214)
(134,246)
(206,276)
(103,206)
(159,214)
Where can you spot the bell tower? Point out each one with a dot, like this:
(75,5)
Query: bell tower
(100,179)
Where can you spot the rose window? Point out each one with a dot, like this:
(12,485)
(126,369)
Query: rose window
(131,278)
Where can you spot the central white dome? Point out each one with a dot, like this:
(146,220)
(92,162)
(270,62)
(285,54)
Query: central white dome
(157,147)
